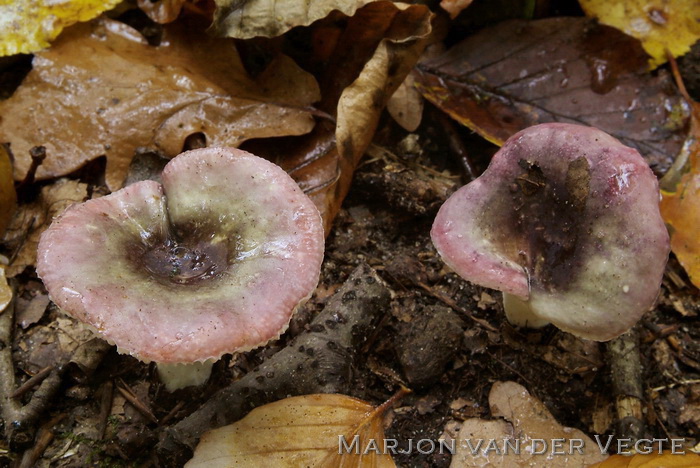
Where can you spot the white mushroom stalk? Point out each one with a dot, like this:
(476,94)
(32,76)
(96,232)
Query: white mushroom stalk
(214,260)
(565,221)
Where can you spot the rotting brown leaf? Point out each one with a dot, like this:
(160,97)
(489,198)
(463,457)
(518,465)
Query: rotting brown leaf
(521,73)
(374,53)
(8,196)
(102,90)
(406,105)
(31,220)
(270,18)
(298,431)
(526,418)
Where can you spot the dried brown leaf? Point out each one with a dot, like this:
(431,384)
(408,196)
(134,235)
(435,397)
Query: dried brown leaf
(102,90)
(521,73)
(298,431)
(527,420)
(5,290)
(406,105)
(32,219)
(161,11)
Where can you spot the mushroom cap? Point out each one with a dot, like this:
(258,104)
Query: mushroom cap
(567,219)
(213,261)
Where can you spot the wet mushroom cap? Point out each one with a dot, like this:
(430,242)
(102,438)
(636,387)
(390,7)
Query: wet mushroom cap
(565,218)
(213,261)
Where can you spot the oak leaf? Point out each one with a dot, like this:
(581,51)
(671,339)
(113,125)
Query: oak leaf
(102,90)
(299,431)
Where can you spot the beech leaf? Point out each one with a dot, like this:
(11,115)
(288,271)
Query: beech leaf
(28,26)
(102,90)
(680,201)
(660,25)
(298,431)
(521,73)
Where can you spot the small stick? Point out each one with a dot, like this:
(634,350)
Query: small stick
(38,154)
(171,414)
(105,407)
(626,373)
(456,145)
(43,439)
(135,402)
(33,381)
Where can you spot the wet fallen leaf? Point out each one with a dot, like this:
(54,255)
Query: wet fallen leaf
(271,18)
(32,219)
(521,73)
(376,51)
(28,26)
(298,431)
(102,90)
(406,105)
(659,24)
(8,196)
(665,460)
(526,420)
(680,201)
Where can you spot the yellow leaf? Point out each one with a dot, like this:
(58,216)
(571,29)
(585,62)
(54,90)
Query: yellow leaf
(658,24)
(299,431)
(8,196)
(680,201)
(29,25)
(666,460)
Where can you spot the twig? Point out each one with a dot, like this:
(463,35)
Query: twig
(171,414)
(43,439)
(105,407)
(136,402)
(33,381)
(456,145)
(676,384)
(626,372)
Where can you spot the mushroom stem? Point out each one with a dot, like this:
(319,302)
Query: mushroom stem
(177,376)
(519,312)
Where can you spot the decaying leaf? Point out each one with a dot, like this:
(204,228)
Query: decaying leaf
(102,90)
(299,431)
(660,24)
(521,73)
(271,18)
(28,26)
(31,220)
(526,420)
(406,105)
(8,196)
(680,201)
(653,460)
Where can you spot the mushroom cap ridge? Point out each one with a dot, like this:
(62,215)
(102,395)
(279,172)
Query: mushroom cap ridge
(213,261)
(566,218)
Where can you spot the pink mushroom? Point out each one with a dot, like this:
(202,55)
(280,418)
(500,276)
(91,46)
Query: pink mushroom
(565,221)
(213,261)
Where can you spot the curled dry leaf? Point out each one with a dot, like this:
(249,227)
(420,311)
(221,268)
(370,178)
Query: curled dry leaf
(521,73)
(271,18)
(8,196)
(659,24)
(32,219)
(374,53)
(526,420)
(298,431)
(680,201)
(29,26)
(161,11)
(102,90)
